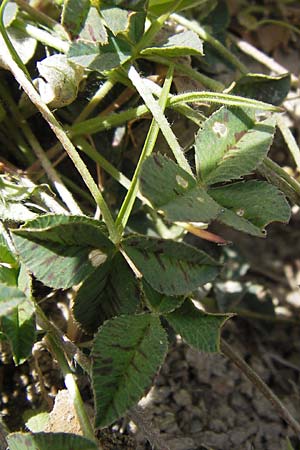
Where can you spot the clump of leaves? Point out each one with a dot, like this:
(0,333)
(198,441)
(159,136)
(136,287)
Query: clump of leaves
(128,285)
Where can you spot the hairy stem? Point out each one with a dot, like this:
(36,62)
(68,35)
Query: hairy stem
(65,141)
(53,176)
(70,382)
(277,170)
(150,141)
(261,385)
(223,51)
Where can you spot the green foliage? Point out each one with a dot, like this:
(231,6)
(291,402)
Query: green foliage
(19,328)
(250,206)
(181,44)
(197,328)
(171,268)
(127,352)
(126,287)
(159,7)
(60,250)
(10,298)
(49,441)
(270,89)
(229,145)
(110,291)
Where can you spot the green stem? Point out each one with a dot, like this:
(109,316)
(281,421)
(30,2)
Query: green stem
(159,117)
(65,195)
(262,58)
(20,148)
(223,51)
(148,147)
(267,162)
(89,150)
(70,382)
(95,100)
(149,35)
(289,140)
(42,18)
(14,55)
(279,23)
(65,141)
(42,36)
(261,385)
(223,99)
(112,120)
(190,72)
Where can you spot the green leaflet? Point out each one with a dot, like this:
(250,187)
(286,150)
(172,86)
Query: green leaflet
(19,328)
(62,250)
(181,44)
(230,144)
(265,88)
(100,58)
(160,303)
(74,15)
(127,353)
(110,291)
(175,192)
(159,7)
(93,30)
(49,441)
(171,268)
(10,297)
(116,19)
(199,329)
(251,205)
(9,268)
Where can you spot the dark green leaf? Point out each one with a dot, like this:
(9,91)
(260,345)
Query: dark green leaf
(10,297)
(159,7)
(266,88)
(100,58)
(231,145)
(93,30)
(127,353)
(181,44)
(160,303)
(175,192)
(136,27)
(250,206)
(49,441)
(74,15)
(110,291)
(9,268)
(19,327)
(83,53)
(171,268)
(116,19)
(62,250)
(199,329)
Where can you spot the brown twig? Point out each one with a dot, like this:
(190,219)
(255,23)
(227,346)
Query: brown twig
(261,385)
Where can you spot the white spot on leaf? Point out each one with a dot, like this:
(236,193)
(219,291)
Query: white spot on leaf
(240,212)
(181,181)
(97,258)
(220,129)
